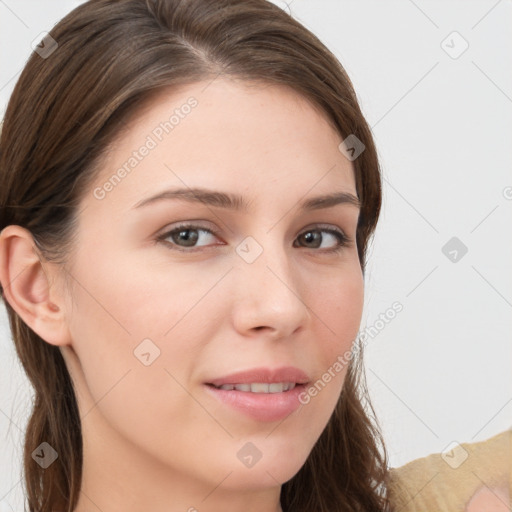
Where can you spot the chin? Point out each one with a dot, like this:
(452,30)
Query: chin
(272,469)
(263,477)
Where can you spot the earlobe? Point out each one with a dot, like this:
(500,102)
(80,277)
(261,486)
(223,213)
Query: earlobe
(26,286)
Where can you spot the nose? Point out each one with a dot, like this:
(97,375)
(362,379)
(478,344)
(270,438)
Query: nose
(268,294)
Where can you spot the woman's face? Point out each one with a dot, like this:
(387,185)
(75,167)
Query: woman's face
(157,312)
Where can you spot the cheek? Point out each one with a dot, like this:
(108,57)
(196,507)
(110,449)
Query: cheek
(118,321)
(132,300)
(118,389)
(337,306)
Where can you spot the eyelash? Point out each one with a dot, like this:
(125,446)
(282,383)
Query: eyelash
(343,239)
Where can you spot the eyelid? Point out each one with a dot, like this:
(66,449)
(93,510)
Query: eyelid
(344,240)
(192,225)
(187,224)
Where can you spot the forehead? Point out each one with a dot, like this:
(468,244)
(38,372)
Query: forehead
(227,134)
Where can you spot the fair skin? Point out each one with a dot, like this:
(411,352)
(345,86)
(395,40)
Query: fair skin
(154,437)
(489,499)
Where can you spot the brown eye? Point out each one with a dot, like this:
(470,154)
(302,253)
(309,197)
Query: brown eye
(185,238)
(186,235)
(313,238)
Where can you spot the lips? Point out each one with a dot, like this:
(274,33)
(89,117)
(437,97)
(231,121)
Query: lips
(259,387)
(263,394)
(258,377)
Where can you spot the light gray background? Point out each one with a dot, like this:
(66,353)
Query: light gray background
(440,371)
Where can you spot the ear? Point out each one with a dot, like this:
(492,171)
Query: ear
(26,281)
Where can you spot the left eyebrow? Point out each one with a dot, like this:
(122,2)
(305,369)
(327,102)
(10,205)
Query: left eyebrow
(237,202)
(330,200)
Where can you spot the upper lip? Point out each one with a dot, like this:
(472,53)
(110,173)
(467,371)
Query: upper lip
(266,375)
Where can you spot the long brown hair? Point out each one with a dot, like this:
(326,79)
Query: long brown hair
(110,57)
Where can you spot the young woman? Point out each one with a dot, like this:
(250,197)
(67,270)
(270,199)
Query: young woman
(187,192)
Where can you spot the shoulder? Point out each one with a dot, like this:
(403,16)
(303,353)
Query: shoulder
(463,479)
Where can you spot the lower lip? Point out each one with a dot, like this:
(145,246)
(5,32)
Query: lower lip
(261,406)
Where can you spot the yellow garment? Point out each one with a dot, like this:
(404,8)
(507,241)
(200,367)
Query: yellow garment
(472,477)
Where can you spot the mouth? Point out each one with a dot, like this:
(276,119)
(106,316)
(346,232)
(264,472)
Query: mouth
(258,387)
(263,402)
(263,394)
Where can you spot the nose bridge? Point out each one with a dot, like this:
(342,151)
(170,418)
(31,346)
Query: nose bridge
(267,261)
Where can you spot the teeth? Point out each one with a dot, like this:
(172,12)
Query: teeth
(259,387)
